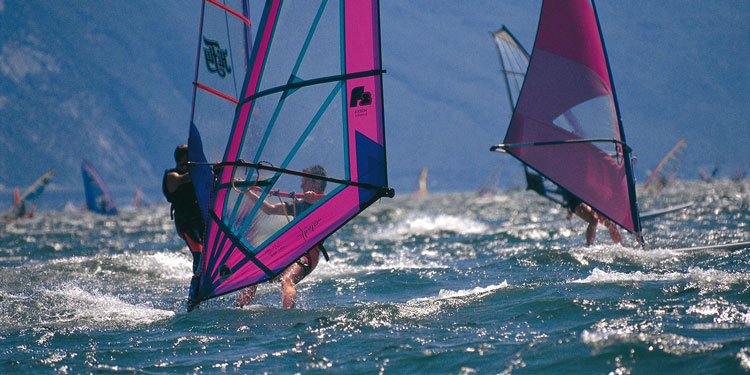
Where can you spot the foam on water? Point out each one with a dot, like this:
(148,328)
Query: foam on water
(401,259)
(423,225)
(475,292)
(612,254)
(707,280)
(722,313)
(95,309)
(425,306)
(744,357)
(167,265)
(647,333)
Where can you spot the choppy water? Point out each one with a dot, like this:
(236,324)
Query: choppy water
(445,284)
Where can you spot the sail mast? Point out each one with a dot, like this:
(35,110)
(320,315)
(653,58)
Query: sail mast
(626,151)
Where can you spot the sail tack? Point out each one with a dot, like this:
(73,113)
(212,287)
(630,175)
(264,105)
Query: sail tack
(566,124)
(310,109)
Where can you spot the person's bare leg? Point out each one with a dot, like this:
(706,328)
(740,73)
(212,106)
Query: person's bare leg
(288,279)
(614,232)
(246,295)
(584,212)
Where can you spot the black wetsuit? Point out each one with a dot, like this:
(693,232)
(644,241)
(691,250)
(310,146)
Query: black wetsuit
(186,214)
(188,219)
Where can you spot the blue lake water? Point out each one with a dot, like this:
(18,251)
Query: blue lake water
(443,284)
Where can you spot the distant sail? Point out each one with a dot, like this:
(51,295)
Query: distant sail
(491,183)
(709,176)
(666,172)
(514,61)
(140,200)
(312,96)
(24,204)
(740,173)
(98,198)
(566,124)
(422,183)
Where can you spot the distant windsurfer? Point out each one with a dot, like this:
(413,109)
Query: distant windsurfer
(22,211)
(305,264)
(178,189)
(585,212)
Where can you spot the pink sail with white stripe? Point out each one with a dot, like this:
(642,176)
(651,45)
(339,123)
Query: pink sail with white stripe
(566,124)
(311,101)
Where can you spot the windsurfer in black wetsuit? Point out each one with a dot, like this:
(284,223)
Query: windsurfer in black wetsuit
(582,210)
(309,260)
(178,189)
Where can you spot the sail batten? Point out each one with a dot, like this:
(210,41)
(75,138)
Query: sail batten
(231,11)
(566,123)
(216,92)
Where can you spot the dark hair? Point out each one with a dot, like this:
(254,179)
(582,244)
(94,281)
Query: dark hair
(317,170)
(180,152)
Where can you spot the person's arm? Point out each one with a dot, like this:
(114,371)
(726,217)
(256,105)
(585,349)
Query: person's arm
(267,208)
(174,180)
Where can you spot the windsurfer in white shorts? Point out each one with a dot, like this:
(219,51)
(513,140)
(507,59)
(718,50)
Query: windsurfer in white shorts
(305,264)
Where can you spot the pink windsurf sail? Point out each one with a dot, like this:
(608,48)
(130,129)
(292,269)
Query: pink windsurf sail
(566,123)
(308,118)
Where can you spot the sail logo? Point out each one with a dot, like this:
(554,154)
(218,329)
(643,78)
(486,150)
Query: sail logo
(360,97)
(305,232)
(216,58)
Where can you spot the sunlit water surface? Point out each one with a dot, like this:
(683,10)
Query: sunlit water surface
(442,284)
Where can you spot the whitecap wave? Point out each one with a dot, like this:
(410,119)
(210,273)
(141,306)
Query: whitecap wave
(401,259)
(721,312)
(421,225)
(706,280)
(609,254)
(647,333)
(169,265)
(104,310)
(425,306)
(744,357)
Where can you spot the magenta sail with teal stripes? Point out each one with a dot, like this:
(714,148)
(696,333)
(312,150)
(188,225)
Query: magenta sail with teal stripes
(310,109)
(566,124)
